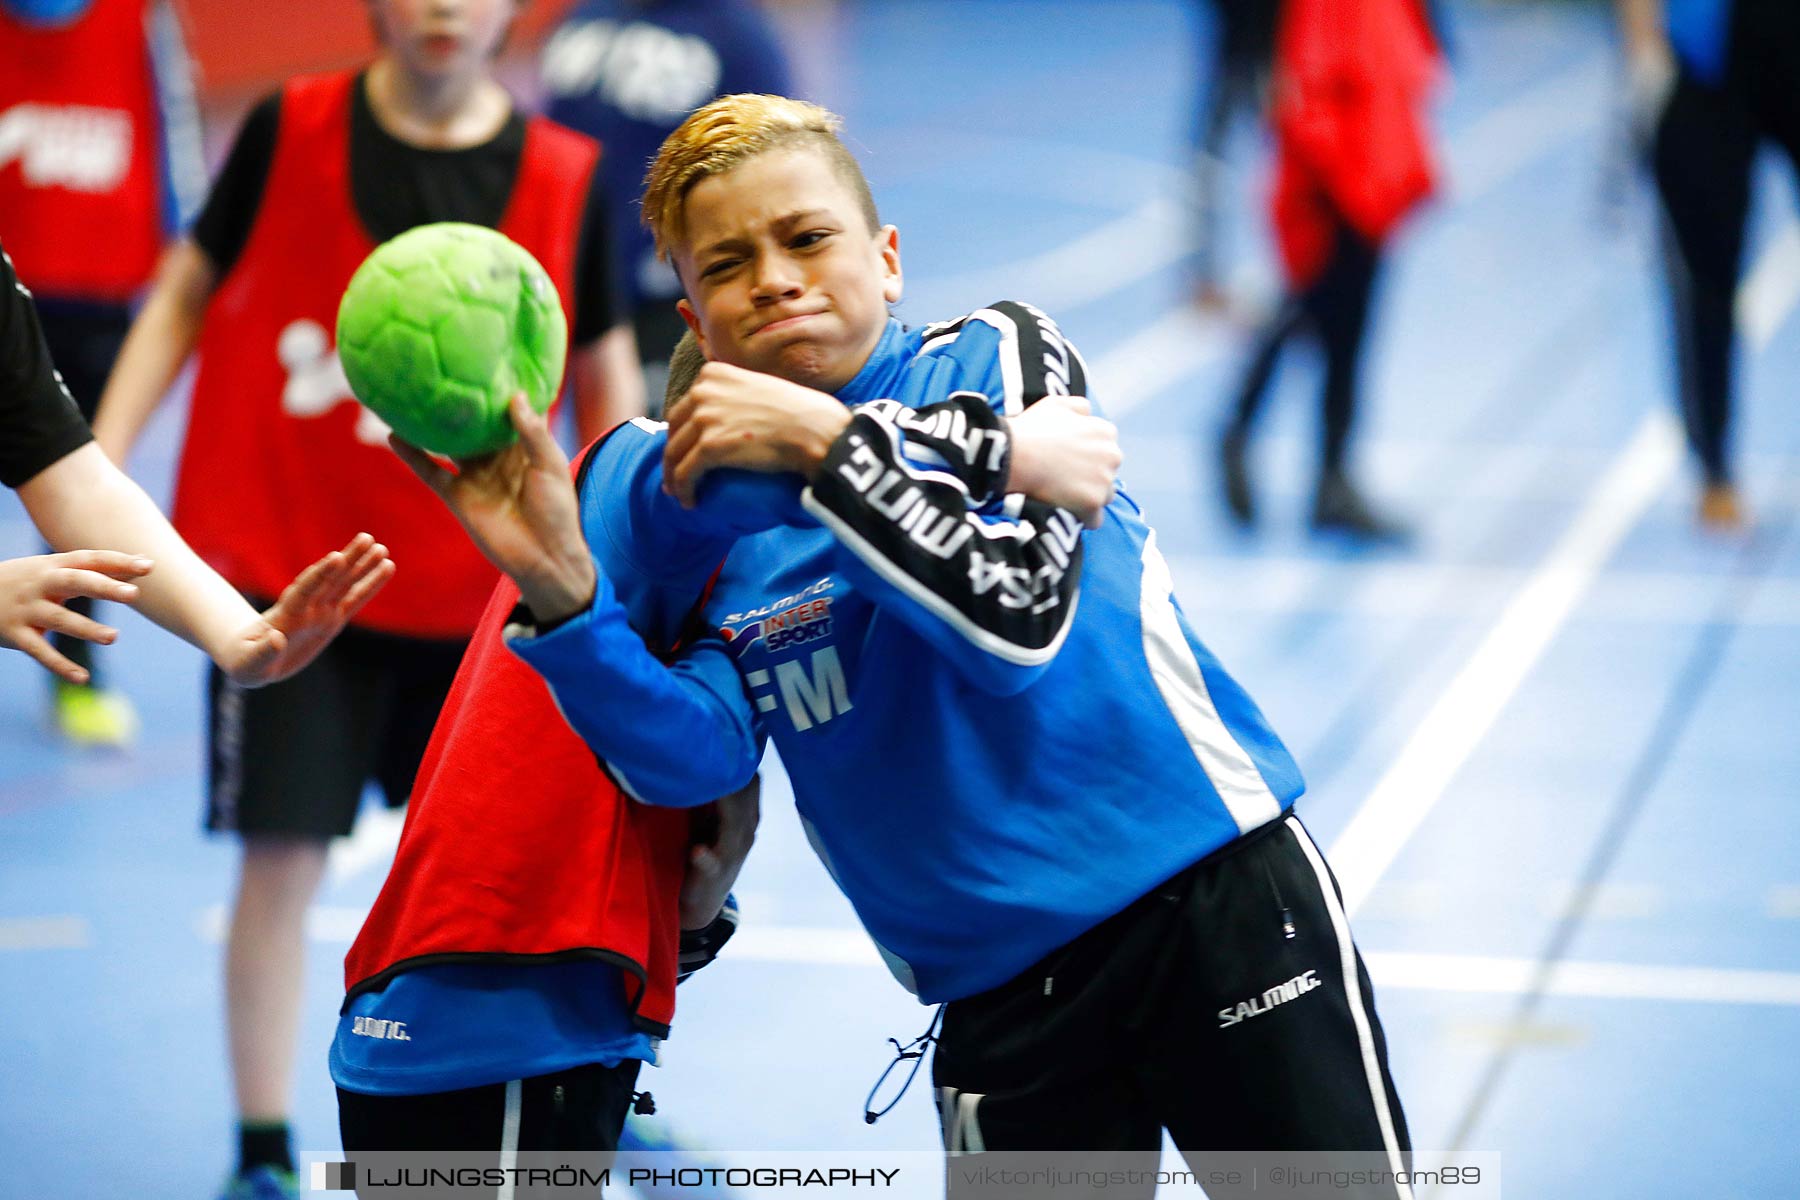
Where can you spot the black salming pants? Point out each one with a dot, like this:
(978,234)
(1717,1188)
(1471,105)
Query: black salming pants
(1228,1006)
(494,1132)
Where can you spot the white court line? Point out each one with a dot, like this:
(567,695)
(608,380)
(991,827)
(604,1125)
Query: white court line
(1769,292)
(1600,980)
(372,844)
(1088,268)
(1163,352)
(45,933)
(1482,155)
(1489,150)
(836,947)
(843,947)
(1424,972)
(1409,789)
(795,946)
(1415,781)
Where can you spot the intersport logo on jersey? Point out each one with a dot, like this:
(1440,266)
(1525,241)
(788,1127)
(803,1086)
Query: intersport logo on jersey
(73,146)
(809,685)
(797,626)
(792,620)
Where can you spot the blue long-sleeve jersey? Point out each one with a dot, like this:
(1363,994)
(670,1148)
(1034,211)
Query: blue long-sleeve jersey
(1700,34)
(987,768)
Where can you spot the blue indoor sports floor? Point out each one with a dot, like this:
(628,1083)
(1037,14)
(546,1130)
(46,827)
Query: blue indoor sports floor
(1552,748)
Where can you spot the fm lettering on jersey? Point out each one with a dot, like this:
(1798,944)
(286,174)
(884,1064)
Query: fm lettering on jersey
(73,146)
(812,692)
(1276,996)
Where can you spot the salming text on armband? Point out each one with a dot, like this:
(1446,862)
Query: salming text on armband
(1036,360)
(962,433)
(1008,586)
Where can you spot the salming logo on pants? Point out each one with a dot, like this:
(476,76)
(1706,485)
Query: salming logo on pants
(1228,1006)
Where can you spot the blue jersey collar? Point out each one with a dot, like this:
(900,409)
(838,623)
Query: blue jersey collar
(877,376)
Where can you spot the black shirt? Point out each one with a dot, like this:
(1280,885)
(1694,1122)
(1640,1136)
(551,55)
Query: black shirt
(396,186)
(39,423)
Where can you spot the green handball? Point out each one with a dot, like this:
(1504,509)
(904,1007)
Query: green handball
(441,325)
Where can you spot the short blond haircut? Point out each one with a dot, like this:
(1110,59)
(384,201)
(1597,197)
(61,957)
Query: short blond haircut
(724,134)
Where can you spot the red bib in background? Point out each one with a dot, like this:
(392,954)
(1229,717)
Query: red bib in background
(81,210)
(1352,145)
(281,464)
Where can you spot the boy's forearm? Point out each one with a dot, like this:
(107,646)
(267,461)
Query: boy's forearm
(161,338)
(84,501)
(700,744)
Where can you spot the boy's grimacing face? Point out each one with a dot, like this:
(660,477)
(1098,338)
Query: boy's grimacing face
(441,37)
(782,273)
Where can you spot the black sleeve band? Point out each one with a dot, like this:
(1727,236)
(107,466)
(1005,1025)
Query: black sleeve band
(963,431)
(700,946)
(1007,586)
(1048,362)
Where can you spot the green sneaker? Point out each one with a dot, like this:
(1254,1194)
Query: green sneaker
(262,1183)
(94,716)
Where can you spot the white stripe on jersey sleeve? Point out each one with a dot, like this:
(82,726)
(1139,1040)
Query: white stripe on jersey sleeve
(1177,674)
(1012,372)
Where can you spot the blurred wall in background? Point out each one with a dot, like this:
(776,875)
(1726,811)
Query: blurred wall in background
(242,50)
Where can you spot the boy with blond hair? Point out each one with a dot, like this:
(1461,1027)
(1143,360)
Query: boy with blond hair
(1064,822)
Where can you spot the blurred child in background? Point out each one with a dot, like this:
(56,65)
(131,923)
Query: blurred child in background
(1242,40)
(279,455)
(627,72)
(1354,157)
(99,164)
(1711,80)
